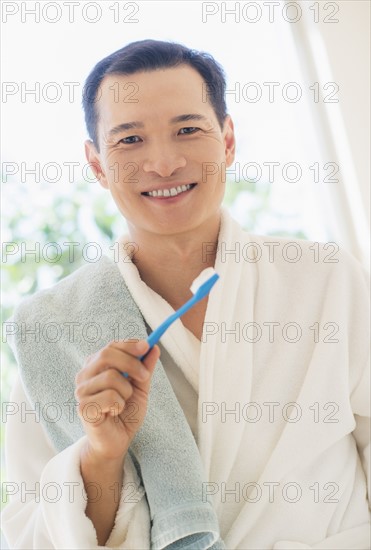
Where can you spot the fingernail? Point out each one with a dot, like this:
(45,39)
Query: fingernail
(141,346)
(144,374)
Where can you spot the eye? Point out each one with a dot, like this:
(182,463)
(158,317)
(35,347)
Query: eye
(130,139)
(189,130)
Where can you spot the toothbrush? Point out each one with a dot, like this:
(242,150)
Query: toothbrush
(200,288)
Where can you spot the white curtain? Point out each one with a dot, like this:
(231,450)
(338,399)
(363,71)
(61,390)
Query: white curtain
(338,24)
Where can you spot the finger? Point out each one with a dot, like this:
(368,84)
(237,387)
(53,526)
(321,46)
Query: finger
(135,347)
(139,348)
(132,346)
(92,408)
(111,357)
(151,358)
(149,364)
(108,379)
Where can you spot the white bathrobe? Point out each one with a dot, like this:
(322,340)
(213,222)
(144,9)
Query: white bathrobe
(281,379)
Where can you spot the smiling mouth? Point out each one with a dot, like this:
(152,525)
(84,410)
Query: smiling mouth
(172,192)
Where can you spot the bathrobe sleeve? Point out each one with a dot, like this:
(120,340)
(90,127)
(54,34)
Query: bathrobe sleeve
(360,400)
(359,537)
(47,498)
(359,378)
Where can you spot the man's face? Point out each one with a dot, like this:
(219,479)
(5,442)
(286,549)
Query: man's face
(157,133)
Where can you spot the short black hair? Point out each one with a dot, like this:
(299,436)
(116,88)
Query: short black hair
(149,55)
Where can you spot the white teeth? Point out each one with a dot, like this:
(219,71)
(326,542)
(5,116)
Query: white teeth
(169,192)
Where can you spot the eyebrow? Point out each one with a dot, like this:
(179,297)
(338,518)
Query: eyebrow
(136,124)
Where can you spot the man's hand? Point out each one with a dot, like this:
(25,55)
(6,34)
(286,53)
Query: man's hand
(112,408)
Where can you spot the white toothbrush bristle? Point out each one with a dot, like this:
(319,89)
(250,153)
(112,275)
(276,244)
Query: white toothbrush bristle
(202,278)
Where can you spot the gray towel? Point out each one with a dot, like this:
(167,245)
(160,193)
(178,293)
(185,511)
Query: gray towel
(57,329)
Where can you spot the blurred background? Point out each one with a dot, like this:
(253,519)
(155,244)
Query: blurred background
(298,91)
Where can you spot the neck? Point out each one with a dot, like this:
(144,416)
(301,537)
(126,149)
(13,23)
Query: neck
(169,263)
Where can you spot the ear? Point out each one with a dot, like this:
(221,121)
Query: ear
(93,158)
(229,140)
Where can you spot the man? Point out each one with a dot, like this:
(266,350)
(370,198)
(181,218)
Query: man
(270,370)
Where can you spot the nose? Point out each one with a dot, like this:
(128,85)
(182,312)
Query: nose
(164,159)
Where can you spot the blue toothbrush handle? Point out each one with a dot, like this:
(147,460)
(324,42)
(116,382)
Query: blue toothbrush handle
(155,336)
(201,292)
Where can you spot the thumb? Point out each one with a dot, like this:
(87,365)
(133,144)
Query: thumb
(151,358)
